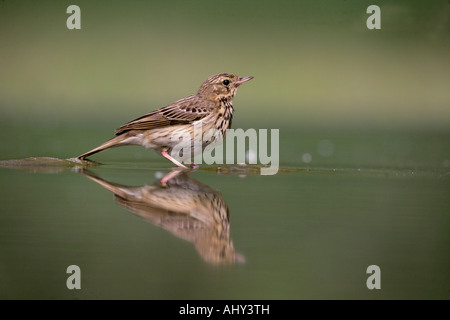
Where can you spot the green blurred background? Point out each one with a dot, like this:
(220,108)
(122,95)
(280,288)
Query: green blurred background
(364,123)
(316,64)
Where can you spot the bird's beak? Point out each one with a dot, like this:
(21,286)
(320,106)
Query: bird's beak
(241,80)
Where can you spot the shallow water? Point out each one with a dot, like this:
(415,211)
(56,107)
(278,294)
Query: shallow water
(311,231)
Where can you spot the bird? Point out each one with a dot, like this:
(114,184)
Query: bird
(185,207)
(163,129)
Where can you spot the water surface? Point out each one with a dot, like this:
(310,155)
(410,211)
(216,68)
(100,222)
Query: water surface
(308,232)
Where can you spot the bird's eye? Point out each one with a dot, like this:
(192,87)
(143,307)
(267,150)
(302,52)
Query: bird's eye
(226,82)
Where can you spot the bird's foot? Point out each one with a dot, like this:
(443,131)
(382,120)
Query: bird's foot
(194,166)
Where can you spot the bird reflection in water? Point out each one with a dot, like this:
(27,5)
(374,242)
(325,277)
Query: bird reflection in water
(185,207)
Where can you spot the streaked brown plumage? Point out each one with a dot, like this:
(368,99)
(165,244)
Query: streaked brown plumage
(211,107)
(186,208)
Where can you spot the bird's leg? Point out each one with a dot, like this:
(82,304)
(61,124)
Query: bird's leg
(169,176)
(167,156)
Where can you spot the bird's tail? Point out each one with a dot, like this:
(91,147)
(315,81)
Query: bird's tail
(116,188)
(111,143)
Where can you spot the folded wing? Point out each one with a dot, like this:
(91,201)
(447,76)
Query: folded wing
(183,111)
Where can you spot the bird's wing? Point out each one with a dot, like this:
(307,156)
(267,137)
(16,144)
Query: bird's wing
(183,111)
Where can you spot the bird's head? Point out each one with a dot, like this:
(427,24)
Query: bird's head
(221,86)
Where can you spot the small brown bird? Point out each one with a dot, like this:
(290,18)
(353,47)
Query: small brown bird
(161,129)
